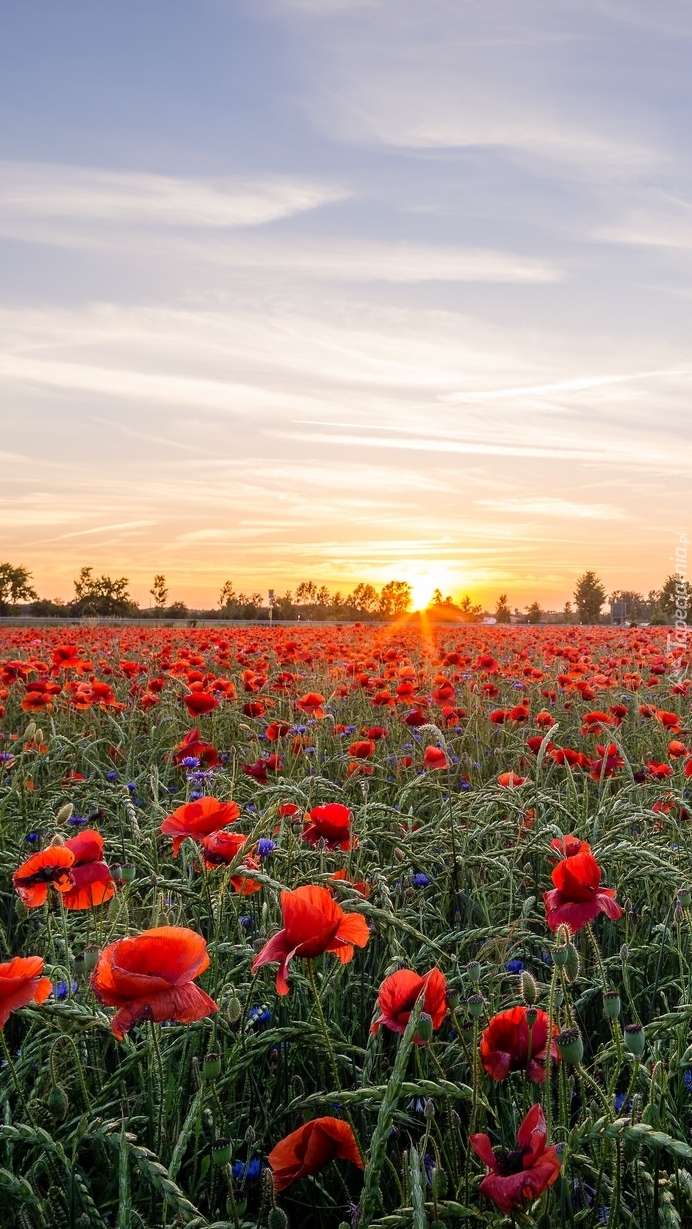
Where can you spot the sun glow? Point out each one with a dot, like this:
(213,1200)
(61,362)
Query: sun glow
(424,583)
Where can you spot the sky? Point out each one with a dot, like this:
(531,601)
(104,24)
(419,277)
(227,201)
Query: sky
(346,290)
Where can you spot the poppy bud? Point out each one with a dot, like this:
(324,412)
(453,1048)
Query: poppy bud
(563,935)
(58,1102)
(234,1009)
(127,872)
(64,813)
(572,965)
(425,1027)
(438,1181)
(39,736)
(570,1045)
(528,988)
(473,970)
(429,1111)
(624,953)
(277,1219)
(611,1004)
(635,1039)
(29,732)
(85,962)
(399,855)
(221,1151)
(211,1066)
(475,1004)
(250,1135)
(652,1117)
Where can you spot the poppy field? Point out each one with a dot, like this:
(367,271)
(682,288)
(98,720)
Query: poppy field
(370,926)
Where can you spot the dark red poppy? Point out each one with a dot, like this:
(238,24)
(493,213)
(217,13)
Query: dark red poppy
(313,924)
(525,1172)
(577,897)
(399,993)
(415,718)
(277,729)
(507,1044)
(92,880)
(151,977)
(50,867)
(568,846)
(375,732)
(21,983)
(198,819)
(608,764)
(255,708)
(199,702)
(332,823)
(221,848)
(310,1148)
(362,750)
(435,758)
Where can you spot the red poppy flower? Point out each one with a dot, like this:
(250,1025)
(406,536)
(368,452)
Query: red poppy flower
(150,977)
(510,780)
(313,924)
(199,702)
(659,772)
(193,745)
(49,867)
(255,708)
(676,749)
(332,823)
(288,809)
(311,1148)
(362,750)
(506,1045)
(398,994)
(568,846)
(435,758)
(358,885)
(544,718)
(415,718)
(375,732)
(220,848)
(522,1174)
(610,756)
(277,729)
(198,819)
(312,704)
(92,881)
(21,983)
(577,897)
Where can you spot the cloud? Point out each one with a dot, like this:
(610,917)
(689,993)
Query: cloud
(562,509)
(31,193)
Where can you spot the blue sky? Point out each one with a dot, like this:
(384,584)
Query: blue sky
(346,289)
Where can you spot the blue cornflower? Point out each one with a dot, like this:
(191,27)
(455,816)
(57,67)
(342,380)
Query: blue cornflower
(190,761)
(687,1080)
(253,1168)
(245,921)
(465,785)
(603,1215)
(5,757)
(61,991)
(259,1015)
(619,1102)
(78,820)
(420,880)
(238,1170)
(265,847)
(32,837)
(514,966)
(299,729)
(111,776)
(131,786)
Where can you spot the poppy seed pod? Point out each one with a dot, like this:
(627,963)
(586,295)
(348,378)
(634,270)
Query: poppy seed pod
(570,1045)
(221,1151)
(560,955)
(127,872)
(611,1004)
(473,970)
(211,1066)
(531,1015)
(635,1039)
(475,1005)
(425,1027)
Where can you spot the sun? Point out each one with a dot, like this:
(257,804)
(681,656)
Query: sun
(423,585)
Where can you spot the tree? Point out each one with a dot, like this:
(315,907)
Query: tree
(178,610)
(159,592)
(306,595)
(102,595)
(14,586)
(589,595)
(533,613)
(567,615)
(470,611)
(502,612)
(395,598)
(323,597)
(436,599)
(364,599)
(283,606)
(227,594)
(676,599)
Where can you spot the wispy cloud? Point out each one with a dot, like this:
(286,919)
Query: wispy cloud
(34,192)
(563,509)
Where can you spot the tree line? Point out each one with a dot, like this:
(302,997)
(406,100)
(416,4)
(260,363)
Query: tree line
(105,596)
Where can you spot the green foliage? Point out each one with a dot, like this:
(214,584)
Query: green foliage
(589,596)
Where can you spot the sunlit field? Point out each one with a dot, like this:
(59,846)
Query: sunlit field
(378,926)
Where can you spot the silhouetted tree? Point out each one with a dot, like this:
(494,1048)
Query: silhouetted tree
(503,613)
(589,595)
(14,587)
